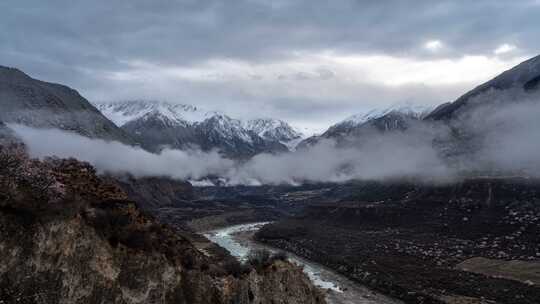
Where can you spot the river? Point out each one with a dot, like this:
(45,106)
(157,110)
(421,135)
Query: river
(340,290)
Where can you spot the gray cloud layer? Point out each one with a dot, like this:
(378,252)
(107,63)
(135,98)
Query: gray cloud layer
(505,142)
(375,159)
(499,136)
(103,33)
(83,43)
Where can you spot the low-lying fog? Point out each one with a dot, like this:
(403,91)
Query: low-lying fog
(507,141)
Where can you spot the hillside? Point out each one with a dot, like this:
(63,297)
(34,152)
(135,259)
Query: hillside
(49,105)
(67,235)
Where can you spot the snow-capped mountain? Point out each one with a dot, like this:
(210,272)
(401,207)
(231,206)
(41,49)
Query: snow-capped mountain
(158,124)
(123,112)
(229,135)
(395,117)
(275,130)
(408,109)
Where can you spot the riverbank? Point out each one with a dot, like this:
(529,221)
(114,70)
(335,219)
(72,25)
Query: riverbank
(339,290)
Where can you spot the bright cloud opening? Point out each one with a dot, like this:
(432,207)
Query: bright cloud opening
(504,49)
(434,45)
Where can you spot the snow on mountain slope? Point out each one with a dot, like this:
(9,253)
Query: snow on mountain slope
(408,109)
(395,117)
(159,124)
(123,112)
(228,128)
(273,129)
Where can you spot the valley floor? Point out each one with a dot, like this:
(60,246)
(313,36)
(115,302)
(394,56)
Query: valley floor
(469,243)
(446,244)
(238,240)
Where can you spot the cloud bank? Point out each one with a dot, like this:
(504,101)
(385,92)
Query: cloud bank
(303,61)
(498,137)
(384,157)
(114,157)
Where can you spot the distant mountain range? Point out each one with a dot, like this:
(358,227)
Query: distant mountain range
(465,118)
(156,125)
(394,118)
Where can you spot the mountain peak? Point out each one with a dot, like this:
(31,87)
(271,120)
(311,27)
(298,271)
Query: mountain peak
(12,73)
(273,129)
(156,124)
(407,109)
(123,112)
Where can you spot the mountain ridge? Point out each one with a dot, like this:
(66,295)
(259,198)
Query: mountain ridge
(158,124)
(43,104)
(394,118)
(525,76)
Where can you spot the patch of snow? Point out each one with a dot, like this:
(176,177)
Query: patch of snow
(273,130)
(123,112)
(201,183)
(292,144)
(410,109)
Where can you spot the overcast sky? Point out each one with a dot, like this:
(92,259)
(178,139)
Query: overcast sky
(309,62)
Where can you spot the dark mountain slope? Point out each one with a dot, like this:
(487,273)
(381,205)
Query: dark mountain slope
(523,77)
(155,131)
(42,104)
(350,132)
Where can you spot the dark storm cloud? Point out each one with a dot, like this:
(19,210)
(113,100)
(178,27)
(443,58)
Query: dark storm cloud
(101,33)
(80,43)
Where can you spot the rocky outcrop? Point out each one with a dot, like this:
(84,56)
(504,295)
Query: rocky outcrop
(69,236)
(277,279)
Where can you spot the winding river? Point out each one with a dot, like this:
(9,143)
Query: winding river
(340,290)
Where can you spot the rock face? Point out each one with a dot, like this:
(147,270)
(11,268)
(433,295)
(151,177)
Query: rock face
(156,125)
(42,104)
(278,279)
(68,236)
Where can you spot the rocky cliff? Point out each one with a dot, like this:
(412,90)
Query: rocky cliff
(69,236)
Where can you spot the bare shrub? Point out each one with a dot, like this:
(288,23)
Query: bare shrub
(262,258)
